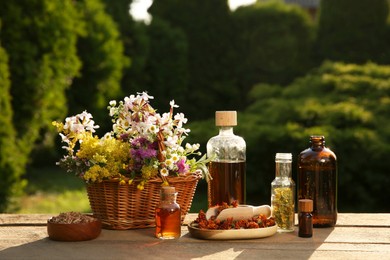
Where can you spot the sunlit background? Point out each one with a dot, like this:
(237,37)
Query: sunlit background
(291,68)
(138,8)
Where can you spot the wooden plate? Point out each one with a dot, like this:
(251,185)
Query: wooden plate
(231,233)
(74,232)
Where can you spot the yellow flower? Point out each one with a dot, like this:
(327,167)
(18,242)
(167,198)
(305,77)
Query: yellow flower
(148,171)
(140,186)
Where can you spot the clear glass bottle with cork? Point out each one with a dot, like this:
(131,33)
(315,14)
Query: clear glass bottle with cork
(168,215)
(317,180)
(228,165)
(283,193)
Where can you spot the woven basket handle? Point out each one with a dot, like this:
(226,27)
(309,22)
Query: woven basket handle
(161,147)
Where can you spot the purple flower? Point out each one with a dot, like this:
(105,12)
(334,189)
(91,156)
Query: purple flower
(139,142)
(143,149)
(143,153)
(182,166)
(124,137)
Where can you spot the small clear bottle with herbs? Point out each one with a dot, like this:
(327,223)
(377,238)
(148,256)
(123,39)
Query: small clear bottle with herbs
(283,193)
(168,215)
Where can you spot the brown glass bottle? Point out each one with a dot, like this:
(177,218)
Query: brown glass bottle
(168,215)
(317,180)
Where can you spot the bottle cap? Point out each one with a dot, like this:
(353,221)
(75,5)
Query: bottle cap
(284,156)
(168,190)
(317,138)
(305,205)
(226,118)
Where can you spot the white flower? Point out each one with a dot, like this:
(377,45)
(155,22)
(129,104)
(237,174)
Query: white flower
(76,128)
(175,157)
(169,163)
(164,172)
(80,123)
(172,104)
(113,111)
(113,103)
(153,129)
(181,119)
(172,141)
(144,96)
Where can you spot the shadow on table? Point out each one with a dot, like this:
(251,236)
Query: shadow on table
(278,246)
(141,244)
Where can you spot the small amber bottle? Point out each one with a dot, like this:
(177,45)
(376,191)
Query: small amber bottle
(305,218)
(168,215)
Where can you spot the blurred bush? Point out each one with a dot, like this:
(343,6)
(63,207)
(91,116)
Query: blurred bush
(353,31)
(347,103)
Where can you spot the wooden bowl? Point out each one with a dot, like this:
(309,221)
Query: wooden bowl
(74,232)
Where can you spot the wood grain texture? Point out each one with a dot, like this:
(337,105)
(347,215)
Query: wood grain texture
(357,236)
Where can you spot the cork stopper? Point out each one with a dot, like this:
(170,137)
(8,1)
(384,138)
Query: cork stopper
(226,118)
(305,205)
(168,190)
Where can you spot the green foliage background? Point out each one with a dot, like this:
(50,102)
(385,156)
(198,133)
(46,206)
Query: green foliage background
(289,76)
(347,103)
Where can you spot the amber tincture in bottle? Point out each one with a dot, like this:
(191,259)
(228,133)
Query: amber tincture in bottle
(227,167)
(317,180)
(305,218)
(168,215)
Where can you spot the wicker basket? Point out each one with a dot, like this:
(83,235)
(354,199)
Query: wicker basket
(125,207)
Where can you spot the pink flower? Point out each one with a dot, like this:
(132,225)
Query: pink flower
(182,166)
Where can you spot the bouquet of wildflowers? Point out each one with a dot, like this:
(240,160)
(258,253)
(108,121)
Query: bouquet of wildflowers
(142,145)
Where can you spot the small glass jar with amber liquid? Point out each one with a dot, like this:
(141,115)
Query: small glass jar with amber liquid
(168,215)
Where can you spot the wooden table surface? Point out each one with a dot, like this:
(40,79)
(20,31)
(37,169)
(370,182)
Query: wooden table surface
(356,236)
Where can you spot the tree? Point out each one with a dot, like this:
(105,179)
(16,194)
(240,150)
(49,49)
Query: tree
(353,31)
(136,45)
(167,64)
(39,37)
(101,52)
(274,43)
(10,163)
(207,26)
